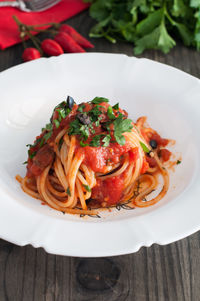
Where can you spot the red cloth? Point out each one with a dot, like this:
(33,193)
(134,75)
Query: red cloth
(9,34)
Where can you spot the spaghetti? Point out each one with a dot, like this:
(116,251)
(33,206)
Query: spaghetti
(91,155)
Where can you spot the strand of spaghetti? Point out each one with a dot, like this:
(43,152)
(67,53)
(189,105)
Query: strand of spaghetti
(81,194)
(18,178)
(90,175)
(54,179)
(164,190)
(57,140)
(27,190)
(140,122)
(42,187)
(138,167)
(71,150)
(73,173)
(54,191)
(108,169)
(128,174)
(145,191)
(81,178)
(60,173)
(53,202)
(118,172)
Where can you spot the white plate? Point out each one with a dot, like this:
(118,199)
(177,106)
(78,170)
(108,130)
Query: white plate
(170,99)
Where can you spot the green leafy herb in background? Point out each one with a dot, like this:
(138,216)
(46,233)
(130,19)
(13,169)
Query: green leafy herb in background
(148,24)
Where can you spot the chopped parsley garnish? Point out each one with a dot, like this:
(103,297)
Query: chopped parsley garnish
(77,128)
(84,131)
(80,108)
(97,123)
(144,147)
(68,191)
(106,140)
(62,109)
(110,113)
(87,188)
(96,141)
(98,100)
(121,126)
(116,106)
(83,144)
(25,162)
(57,123)
(178,162)
(95,113)
(31,155)
(74,127)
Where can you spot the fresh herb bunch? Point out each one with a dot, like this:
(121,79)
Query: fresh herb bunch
(148,24)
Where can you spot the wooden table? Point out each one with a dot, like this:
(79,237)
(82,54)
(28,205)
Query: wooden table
(162,273)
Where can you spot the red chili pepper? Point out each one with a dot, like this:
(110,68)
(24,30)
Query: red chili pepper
(51,47)
(68,44)
(30,54)
(76,36)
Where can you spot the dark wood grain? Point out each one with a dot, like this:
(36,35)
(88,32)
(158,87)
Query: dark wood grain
(158,273)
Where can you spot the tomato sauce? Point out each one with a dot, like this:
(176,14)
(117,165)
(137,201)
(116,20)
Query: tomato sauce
(97,158)
(109,190)
(160,141)
(165,154)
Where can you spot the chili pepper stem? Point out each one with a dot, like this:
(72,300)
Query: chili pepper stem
(17,20)
(23,28)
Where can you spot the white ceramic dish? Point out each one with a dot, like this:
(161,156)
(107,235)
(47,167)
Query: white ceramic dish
(170,99)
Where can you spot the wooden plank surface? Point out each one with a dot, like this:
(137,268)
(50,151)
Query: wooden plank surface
(158,273)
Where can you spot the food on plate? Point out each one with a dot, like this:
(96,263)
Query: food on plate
(91,155)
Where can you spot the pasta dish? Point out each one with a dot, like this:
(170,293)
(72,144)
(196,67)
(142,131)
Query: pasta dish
(91,155)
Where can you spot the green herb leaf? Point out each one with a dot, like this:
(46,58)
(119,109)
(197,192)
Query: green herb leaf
(68,191)
(87,188)
(83,144)
(31,155)
(80,108)
(116,106)
(121,126)
(144,147)
(74,127)
(147,24)
(25,162)
(110,113)
(178,162)
(98,100)
(96,141)
(106,140)
(84,131)
(57,123)
(49,127)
